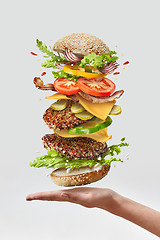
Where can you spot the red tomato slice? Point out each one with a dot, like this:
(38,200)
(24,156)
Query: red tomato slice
(65,86)
(99,87)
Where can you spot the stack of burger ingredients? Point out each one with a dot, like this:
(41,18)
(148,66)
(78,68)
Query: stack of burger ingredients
(84,101)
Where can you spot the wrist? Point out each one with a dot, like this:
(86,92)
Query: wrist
(114,202)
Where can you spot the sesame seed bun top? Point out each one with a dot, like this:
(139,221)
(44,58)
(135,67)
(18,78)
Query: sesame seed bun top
(81,43)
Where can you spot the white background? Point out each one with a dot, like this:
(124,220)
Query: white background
(132,29)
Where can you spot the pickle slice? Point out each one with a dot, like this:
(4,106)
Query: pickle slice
(84,115)
(77,108)
(115,110)
(60,105)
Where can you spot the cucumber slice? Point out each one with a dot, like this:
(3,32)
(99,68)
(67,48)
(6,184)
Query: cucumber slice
(115,110)
(96,128)
(60,105)
(77,108)
(84,115)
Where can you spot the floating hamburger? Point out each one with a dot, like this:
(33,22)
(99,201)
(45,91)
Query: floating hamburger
(84,98)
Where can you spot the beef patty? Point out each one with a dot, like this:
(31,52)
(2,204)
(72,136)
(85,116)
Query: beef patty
(63,119)
(75,148)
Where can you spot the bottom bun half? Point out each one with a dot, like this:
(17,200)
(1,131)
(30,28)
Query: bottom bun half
(80,176)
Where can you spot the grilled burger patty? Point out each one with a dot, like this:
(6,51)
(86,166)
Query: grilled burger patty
(63,119)
(75,148)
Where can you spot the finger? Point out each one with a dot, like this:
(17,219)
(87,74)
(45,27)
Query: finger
(75,195)
(68,195)
(46,196)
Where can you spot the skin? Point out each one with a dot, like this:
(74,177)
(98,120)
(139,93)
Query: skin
(108,200)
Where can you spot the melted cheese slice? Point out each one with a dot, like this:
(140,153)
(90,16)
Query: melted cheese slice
(57,96)
(100,136)
(100,110)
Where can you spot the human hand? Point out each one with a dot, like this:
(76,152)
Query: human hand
(106,199)
(85,196)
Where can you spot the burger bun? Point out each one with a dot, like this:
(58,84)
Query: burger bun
(80,176)
(81,43)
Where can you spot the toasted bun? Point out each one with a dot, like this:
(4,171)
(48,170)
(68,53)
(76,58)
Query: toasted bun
(81,176)
(81,43)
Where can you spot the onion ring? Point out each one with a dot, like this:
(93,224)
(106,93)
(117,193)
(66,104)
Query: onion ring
(108,68)
(71,56)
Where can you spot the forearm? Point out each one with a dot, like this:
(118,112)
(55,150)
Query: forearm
(139,214)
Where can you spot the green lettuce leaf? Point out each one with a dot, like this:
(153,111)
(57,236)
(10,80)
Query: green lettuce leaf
(98,60)
(61,73)
(55,160)
(54,58)
(116,149)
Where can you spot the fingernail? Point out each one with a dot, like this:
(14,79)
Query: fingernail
(28,198)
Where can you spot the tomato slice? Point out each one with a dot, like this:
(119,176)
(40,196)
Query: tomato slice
(65,86)
(99,87)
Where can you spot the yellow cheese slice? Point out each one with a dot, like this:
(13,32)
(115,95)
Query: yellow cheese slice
(100,136)
(100,110)
(57,96)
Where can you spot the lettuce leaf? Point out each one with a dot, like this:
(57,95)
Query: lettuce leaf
(61,73)
(54,58)
(98,60)
(55,160)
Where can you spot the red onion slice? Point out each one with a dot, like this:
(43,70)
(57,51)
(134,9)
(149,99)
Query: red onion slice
(108,69)
(71,56)
(60,66)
